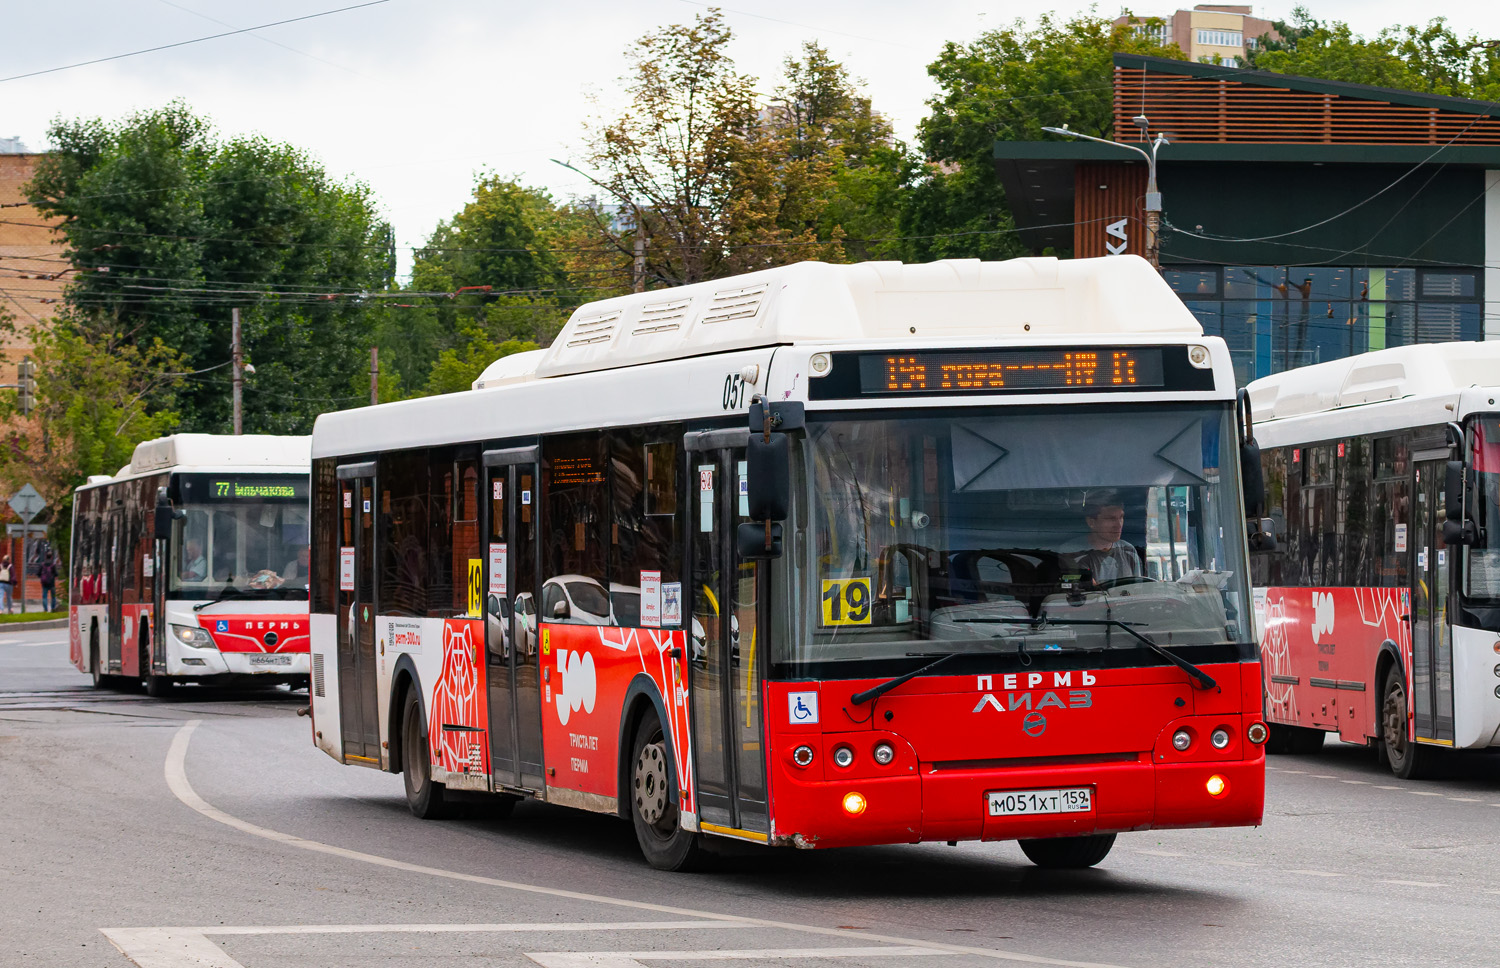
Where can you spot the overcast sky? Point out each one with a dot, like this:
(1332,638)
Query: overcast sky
(416,96)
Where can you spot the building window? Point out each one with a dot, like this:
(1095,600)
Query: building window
(1221,38)
(1158,33)
(1276,318)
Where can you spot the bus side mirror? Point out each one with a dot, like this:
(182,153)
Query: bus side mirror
(1252,479)
(769,477)
(1458,528)
(750,541)
(165,515)
(1262,537)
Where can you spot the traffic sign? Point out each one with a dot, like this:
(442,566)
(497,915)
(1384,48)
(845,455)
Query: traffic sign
(27,503)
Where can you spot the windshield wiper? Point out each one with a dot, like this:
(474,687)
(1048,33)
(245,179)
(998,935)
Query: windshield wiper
(236,594)
(1204,680)
(875,692)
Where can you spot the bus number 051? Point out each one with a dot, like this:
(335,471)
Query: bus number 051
(734,391)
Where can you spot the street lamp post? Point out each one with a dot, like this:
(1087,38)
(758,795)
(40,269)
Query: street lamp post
(1153,195)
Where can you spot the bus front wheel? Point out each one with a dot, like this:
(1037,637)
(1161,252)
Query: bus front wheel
(1068,853)
(1409,759)
(424,797)
(667,846)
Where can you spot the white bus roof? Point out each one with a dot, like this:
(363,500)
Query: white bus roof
(866,300)
(664,355)
(217,452)
(1385,389)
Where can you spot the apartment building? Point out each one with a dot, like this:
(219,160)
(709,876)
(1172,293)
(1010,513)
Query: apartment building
(1211,33)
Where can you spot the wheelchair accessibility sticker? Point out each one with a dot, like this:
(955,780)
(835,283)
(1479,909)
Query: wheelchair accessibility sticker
(802,707)
(223,626)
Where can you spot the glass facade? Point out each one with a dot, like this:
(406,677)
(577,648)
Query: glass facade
(1276,318)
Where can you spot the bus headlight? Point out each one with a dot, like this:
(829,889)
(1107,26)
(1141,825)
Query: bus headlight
(191,636)
(1181,740)
(843,756)
(1219,738)
(884,753)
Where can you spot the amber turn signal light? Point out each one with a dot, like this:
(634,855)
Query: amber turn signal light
(1217,786)
(854,804)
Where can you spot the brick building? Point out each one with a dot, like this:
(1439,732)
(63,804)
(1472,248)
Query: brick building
(31,276)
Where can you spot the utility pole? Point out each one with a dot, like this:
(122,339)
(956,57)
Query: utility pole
(238,364)
(1153,194)
(374,375)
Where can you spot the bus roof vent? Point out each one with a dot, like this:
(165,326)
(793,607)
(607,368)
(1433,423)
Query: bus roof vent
(587,330)
(1373,382)
(661,317)
(509,369)
(740,303)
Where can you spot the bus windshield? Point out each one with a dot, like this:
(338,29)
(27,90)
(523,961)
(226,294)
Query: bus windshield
(241,536)
(994,530)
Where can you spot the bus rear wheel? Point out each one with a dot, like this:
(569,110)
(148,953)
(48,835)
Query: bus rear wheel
(653,800)
(96,667)
(425,798)
(1068,853)
(1408,759)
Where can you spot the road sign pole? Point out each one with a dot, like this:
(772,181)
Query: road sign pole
(27,504)
(23,569)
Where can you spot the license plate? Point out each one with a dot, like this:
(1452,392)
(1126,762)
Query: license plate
(1015,803)
(270,660)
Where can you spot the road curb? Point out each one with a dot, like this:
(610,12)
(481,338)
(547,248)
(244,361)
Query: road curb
(51,623)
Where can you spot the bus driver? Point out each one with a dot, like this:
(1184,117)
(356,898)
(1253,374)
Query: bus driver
(1102,552)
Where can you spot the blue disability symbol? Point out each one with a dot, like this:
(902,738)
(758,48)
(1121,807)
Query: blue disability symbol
(801,712)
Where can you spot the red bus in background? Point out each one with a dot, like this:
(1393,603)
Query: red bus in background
(811,557)
(220,595)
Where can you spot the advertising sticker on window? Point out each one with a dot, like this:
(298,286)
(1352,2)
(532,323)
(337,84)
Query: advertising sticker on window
(497,569)
(671,604)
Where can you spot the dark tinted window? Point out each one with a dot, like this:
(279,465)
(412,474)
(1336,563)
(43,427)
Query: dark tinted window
(402,533)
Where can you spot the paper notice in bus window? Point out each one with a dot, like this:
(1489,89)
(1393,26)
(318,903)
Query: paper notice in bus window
(499,489)
(743,473)
(346,569)
(650,599)
(148,566)
(671,604)
(1400,538)
(497,570)
(706,498)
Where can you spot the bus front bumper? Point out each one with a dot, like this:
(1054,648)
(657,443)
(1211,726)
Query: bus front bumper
(937,804)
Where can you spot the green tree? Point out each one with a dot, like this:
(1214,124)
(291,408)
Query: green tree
(1005,86)
(456,369)
(171,226)
(503,265)
(93,405)
(1432,59)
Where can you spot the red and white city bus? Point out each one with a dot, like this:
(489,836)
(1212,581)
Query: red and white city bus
(815,556)
(191,564)
(1380,613)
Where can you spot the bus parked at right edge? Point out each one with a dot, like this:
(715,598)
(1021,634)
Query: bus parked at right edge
(1380,612)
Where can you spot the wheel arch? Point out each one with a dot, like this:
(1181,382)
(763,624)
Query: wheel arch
(640,697)
(1387,658)
(404,678)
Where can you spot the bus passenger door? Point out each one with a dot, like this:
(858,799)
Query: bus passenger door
(358,707)
(726,650)
(511,643)
(114,582)
(1431,643)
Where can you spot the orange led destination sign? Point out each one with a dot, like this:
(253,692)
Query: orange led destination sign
(1008,370)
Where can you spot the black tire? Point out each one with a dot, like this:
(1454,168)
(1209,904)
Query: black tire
(425,798)
(101,681)
(158,687)
(1068,853)
(1408,760)
(653,802)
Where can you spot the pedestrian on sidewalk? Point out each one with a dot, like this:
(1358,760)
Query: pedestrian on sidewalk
(7,583)
(47,575)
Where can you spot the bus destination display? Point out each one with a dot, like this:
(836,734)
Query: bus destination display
(1075,368)
(244,489)
(203,488)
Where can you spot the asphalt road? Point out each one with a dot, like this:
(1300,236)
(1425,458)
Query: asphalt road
(207,831)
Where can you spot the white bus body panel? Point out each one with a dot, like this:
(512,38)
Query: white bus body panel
(323,690)
(1476,711)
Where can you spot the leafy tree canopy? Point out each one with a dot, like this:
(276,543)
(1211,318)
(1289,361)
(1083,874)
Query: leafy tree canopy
(172,225)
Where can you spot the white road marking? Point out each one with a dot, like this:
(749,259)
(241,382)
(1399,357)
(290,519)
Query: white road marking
(1467,799)
(1315,873)
(1388,788)
(1359,782)
(1160,853)
(628,959)
(1294,771)
(175,772)
(1414,883)
(1424,793)
(1322,776)
(1231,863)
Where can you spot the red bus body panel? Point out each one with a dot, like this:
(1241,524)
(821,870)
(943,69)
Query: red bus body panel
(1320,648)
